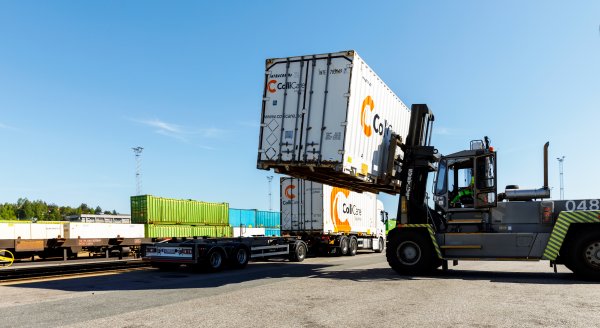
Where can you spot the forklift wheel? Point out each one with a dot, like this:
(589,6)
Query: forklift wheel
(410,252)
(583,256)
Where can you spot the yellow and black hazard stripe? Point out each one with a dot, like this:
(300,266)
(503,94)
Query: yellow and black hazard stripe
(565,219)
(431,234)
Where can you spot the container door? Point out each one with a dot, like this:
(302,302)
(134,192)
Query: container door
(304,109)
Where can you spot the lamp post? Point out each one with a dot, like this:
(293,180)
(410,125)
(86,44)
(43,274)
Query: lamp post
(138,168)
(560,170)
(270,179)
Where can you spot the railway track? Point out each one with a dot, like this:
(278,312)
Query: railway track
(16,273)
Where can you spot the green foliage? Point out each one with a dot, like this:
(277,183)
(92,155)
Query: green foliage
(24,209)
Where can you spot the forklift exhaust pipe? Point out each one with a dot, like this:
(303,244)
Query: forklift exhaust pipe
(546,165)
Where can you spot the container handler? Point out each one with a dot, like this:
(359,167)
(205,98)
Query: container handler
(481,224)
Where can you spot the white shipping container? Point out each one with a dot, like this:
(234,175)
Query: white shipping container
(75,230)
(46,230)
(328,114)
(248,232)
(7,231)
(127,230)
(22,230)
(314,207)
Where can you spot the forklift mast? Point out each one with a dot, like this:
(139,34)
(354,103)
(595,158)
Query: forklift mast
(419,159)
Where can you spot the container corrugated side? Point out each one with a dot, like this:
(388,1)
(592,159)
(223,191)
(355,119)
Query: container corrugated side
(314,207)
(272,232)
(151,209)
(176,230)
(242,217)
(268,219)
(329,117)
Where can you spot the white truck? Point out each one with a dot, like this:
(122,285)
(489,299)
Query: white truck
(331,220)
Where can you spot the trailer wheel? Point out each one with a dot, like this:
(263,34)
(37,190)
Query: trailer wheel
(381,246)
(410,252)
(583,256)
(240,257)
(299,252)
(215,260)
(353,248)
(343,249)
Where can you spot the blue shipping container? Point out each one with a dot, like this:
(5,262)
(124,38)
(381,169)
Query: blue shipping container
(246,218)
(272,232)
(268,219)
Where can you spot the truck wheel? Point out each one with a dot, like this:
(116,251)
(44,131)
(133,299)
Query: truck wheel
(299,252)
(343,249)
(410,252)
(584,256)
(240,257)
(353,248)
(215,260)
(381,246)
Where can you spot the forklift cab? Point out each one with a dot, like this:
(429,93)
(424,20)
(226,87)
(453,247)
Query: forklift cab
(466,180)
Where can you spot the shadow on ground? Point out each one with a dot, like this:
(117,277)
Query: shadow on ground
(261,273)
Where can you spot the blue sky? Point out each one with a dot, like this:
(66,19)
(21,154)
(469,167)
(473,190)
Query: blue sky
(83,82)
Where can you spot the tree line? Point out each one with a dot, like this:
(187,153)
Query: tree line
(24,209)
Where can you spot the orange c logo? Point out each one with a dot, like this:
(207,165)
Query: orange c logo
(367,102)
(270,87)
(288,191)
(338,224)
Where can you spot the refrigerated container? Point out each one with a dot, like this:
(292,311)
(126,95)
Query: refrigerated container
(330,118)
(157,210)
(332,218)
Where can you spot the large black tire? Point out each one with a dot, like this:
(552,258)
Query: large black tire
(582,256)
(344,246)
(411,252)
(381,246)
(240,257)
(299,252)
(215,260)
(352,246)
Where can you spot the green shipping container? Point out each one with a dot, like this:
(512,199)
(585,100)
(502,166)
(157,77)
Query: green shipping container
(178,230)
(149,209)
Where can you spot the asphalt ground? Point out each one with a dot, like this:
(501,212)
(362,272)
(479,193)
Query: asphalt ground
(359,291)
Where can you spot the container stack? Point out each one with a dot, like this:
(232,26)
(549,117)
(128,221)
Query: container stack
(167,217)
(253,222)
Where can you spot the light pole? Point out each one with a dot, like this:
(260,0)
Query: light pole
(560,170)
(138,168)
(270,179)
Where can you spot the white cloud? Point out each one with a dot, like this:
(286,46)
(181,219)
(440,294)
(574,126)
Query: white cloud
(7,127)
(182,133)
